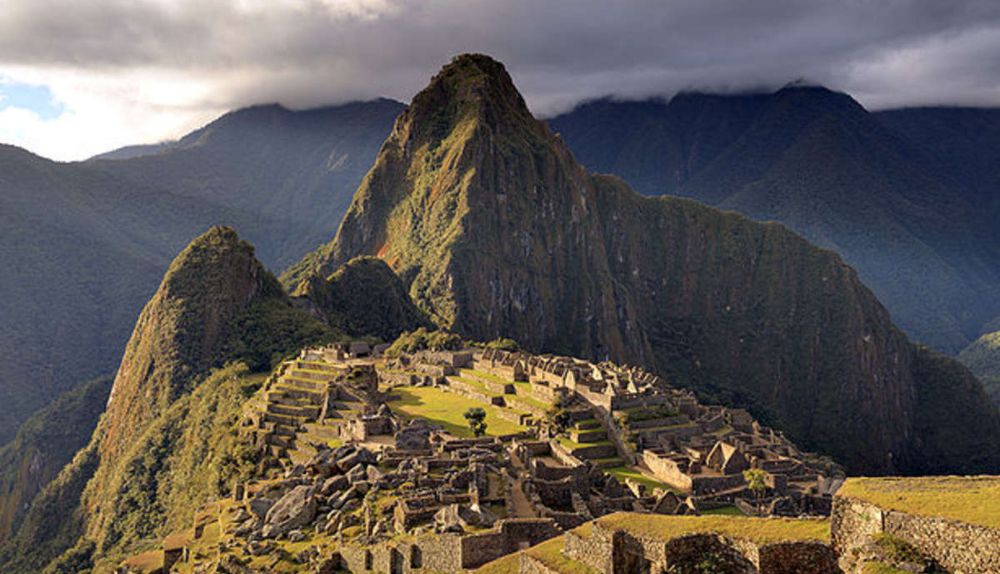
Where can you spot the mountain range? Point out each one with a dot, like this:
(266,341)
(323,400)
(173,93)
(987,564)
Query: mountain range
(87,242)
(498,232)
(476,217)
(907,197)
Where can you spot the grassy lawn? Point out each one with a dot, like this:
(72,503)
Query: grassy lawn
(487,376)
(880,568)
(967,499)
(446,409)
(623,472)
(723,511)
(570,444)
(548,552)
(146,562)
(761,530)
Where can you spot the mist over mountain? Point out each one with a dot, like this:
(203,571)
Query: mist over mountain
(475,218)
(908,197)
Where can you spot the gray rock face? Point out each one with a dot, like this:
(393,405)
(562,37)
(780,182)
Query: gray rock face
(413,437)
(294,510)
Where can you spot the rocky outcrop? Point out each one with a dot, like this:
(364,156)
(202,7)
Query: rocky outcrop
(497,231)
(363,298)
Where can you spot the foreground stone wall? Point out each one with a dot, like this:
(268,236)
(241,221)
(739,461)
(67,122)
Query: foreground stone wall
(959,547)
(620,552)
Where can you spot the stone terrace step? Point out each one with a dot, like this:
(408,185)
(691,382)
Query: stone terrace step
(308,412)
(321,376)
(284,430)
(310,397)
(293,380)
(588,436)
(317,366)
(284,419)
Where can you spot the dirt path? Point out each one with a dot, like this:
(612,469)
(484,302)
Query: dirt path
(522,506)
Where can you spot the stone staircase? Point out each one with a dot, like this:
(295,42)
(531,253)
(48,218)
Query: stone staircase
(297,401)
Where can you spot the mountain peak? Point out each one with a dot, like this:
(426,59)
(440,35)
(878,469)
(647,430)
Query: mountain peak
(184,327)
(470,87)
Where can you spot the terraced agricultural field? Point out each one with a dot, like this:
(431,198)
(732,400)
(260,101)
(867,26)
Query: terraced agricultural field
(970,499)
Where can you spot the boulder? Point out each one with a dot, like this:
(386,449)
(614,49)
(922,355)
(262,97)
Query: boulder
(294,510)
(334,484)
(413,437)
(323,464)
(357,473)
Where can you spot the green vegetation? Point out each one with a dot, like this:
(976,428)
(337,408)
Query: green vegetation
(503,344)
(983,359)
(261,334)
(445,409)
(194,447)
(423,340)
(45,443)
(723,511)
(623,472)
(756,483)
(364,298)
(93,239)
(55,521)
(548,553)
(957,498)
(761,530)
(896,549)
(881,568)
(639,414)
(476,417)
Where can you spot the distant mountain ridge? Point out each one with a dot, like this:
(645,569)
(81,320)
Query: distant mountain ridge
(908,197)
(497,231)
(90,240)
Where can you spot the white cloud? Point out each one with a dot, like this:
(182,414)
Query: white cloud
(138,71)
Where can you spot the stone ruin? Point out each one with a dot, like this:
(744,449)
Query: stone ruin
(460,502)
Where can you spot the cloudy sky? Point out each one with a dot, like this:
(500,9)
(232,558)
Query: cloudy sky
(82,77)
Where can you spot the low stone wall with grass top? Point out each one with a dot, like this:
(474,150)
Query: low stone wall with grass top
(628,543)
(951,521)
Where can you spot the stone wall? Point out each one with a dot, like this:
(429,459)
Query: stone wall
(797,558)
(959,547)
(509,536)
(666,470)
(620,552)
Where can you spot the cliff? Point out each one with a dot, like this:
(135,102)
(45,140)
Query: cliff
(497,231)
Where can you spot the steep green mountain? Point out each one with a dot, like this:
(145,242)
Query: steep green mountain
(363,297)
(86,243)
(908,197)
(983,359)
(167,440)
(82,251)
(497,231)
(44,445)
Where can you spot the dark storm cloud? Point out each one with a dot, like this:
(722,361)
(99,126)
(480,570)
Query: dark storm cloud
(308,52)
